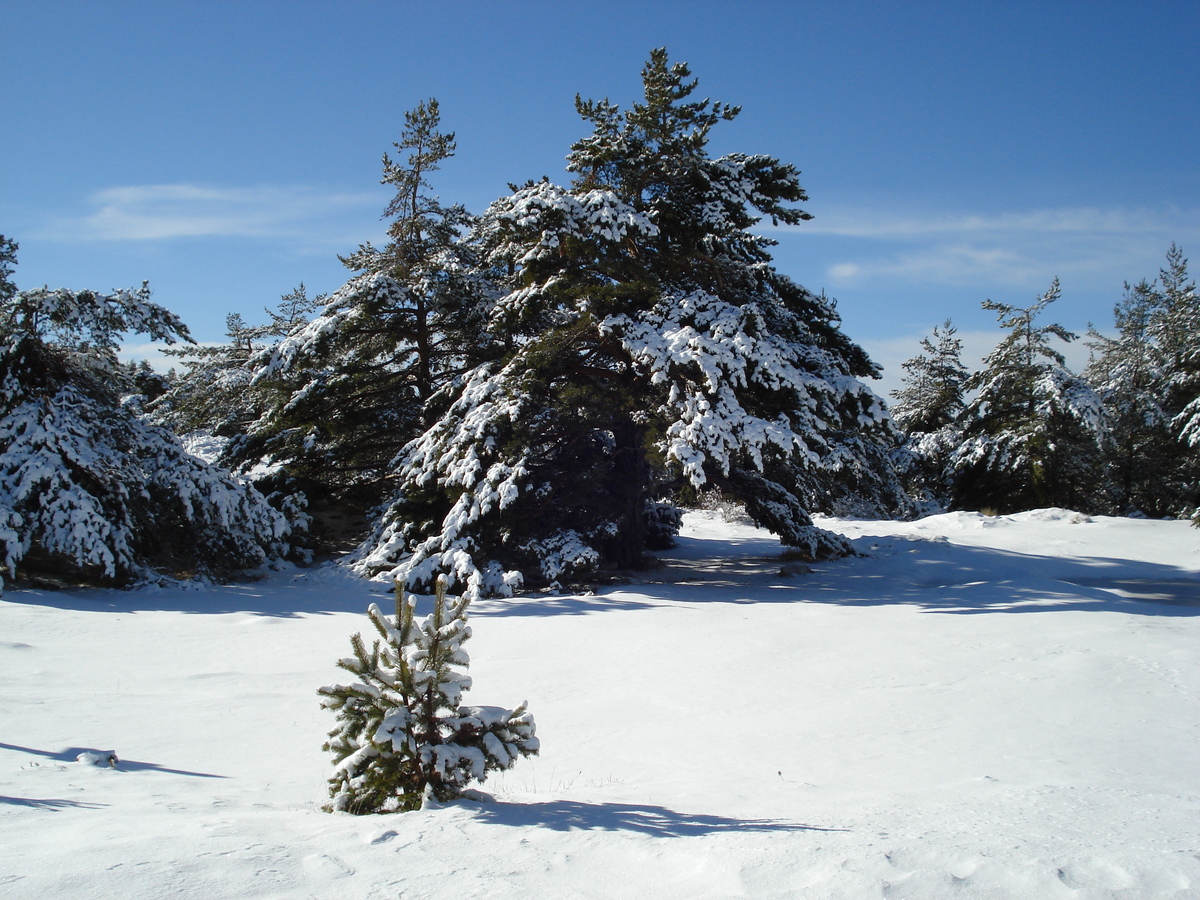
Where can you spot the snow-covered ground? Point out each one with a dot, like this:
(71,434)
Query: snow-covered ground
(982,708)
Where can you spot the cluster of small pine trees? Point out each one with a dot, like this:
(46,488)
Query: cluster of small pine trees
(1024,431)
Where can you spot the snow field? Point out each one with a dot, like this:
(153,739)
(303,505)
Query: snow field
(956,715)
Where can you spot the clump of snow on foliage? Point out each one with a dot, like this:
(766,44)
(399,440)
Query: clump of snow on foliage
(563,555)
(543,216)
(706,351)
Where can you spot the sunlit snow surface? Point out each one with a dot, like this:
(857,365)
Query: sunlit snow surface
(978,707)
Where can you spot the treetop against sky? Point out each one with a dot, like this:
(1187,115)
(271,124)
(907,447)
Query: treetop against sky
(227,152)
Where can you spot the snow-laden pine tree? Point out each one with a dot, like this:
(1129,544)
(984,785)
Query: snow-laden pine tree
(1149,378)
(932,395)
(645,343)
(1177,331)
(403,738)
(927,408)
(87,485)
(1031,434)
(210,392)
(352,384)
(1129,373)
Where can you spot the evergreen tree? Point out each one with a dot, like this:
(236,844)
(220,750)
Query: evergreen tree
(644,342)
(1128,372)
(1177,331)
(927,409)
(215,393)
(212,393)
(8,262)
(1175,327)
(352,384)
(1031,434)
(1149,378)
(86,484)
(294,310)
(149,384)
(403,738)
(11,522)
(932,396)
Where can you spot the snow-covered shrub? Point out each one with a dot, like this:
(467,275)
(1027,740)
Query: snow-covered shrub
(713,500)
(93,486)
(403,738)
(87,485)
(663,521)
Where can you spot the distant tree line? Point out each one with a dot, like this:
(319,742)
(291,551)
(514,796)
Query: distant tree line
(1024,431)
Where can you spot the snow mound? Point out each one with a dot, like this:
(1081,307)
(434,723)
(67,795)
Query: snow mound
(98,758)
(1052,514)
(975,521)
(952,521)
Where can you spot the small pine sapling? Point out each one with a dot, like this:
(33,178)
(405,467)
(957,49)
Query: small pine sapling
(402,738)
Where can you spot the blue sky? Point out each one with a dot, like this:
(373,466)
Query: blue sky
(953,152)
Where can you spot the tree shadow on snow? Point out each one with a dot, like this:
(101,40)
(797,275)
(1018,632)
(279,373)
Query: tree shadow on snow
(657,821)
(322,591)
(939,576)
(963,580)
(566,605)
(318,592)
(71,754)
(51,804)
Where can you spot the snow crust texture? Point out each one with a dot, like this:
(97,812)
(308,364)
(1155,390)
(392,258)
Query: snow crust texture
(977,707)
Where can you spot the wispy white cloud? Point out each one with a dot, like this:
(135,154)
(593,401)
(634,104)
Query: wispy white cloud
(888,224)
(166,211)
(1023,248)
(947,263)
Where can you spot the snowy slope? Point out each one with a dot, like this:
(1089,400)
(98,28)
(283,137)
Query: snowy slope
(978,708)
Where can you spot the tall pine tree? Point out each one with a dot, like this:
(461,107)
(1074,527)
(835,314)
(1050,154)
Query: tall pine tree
(1032,432)
(1177,330)
(352,384)
(1128,371)
(928,408)
(1149,377)
(932,395)
(645,343)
